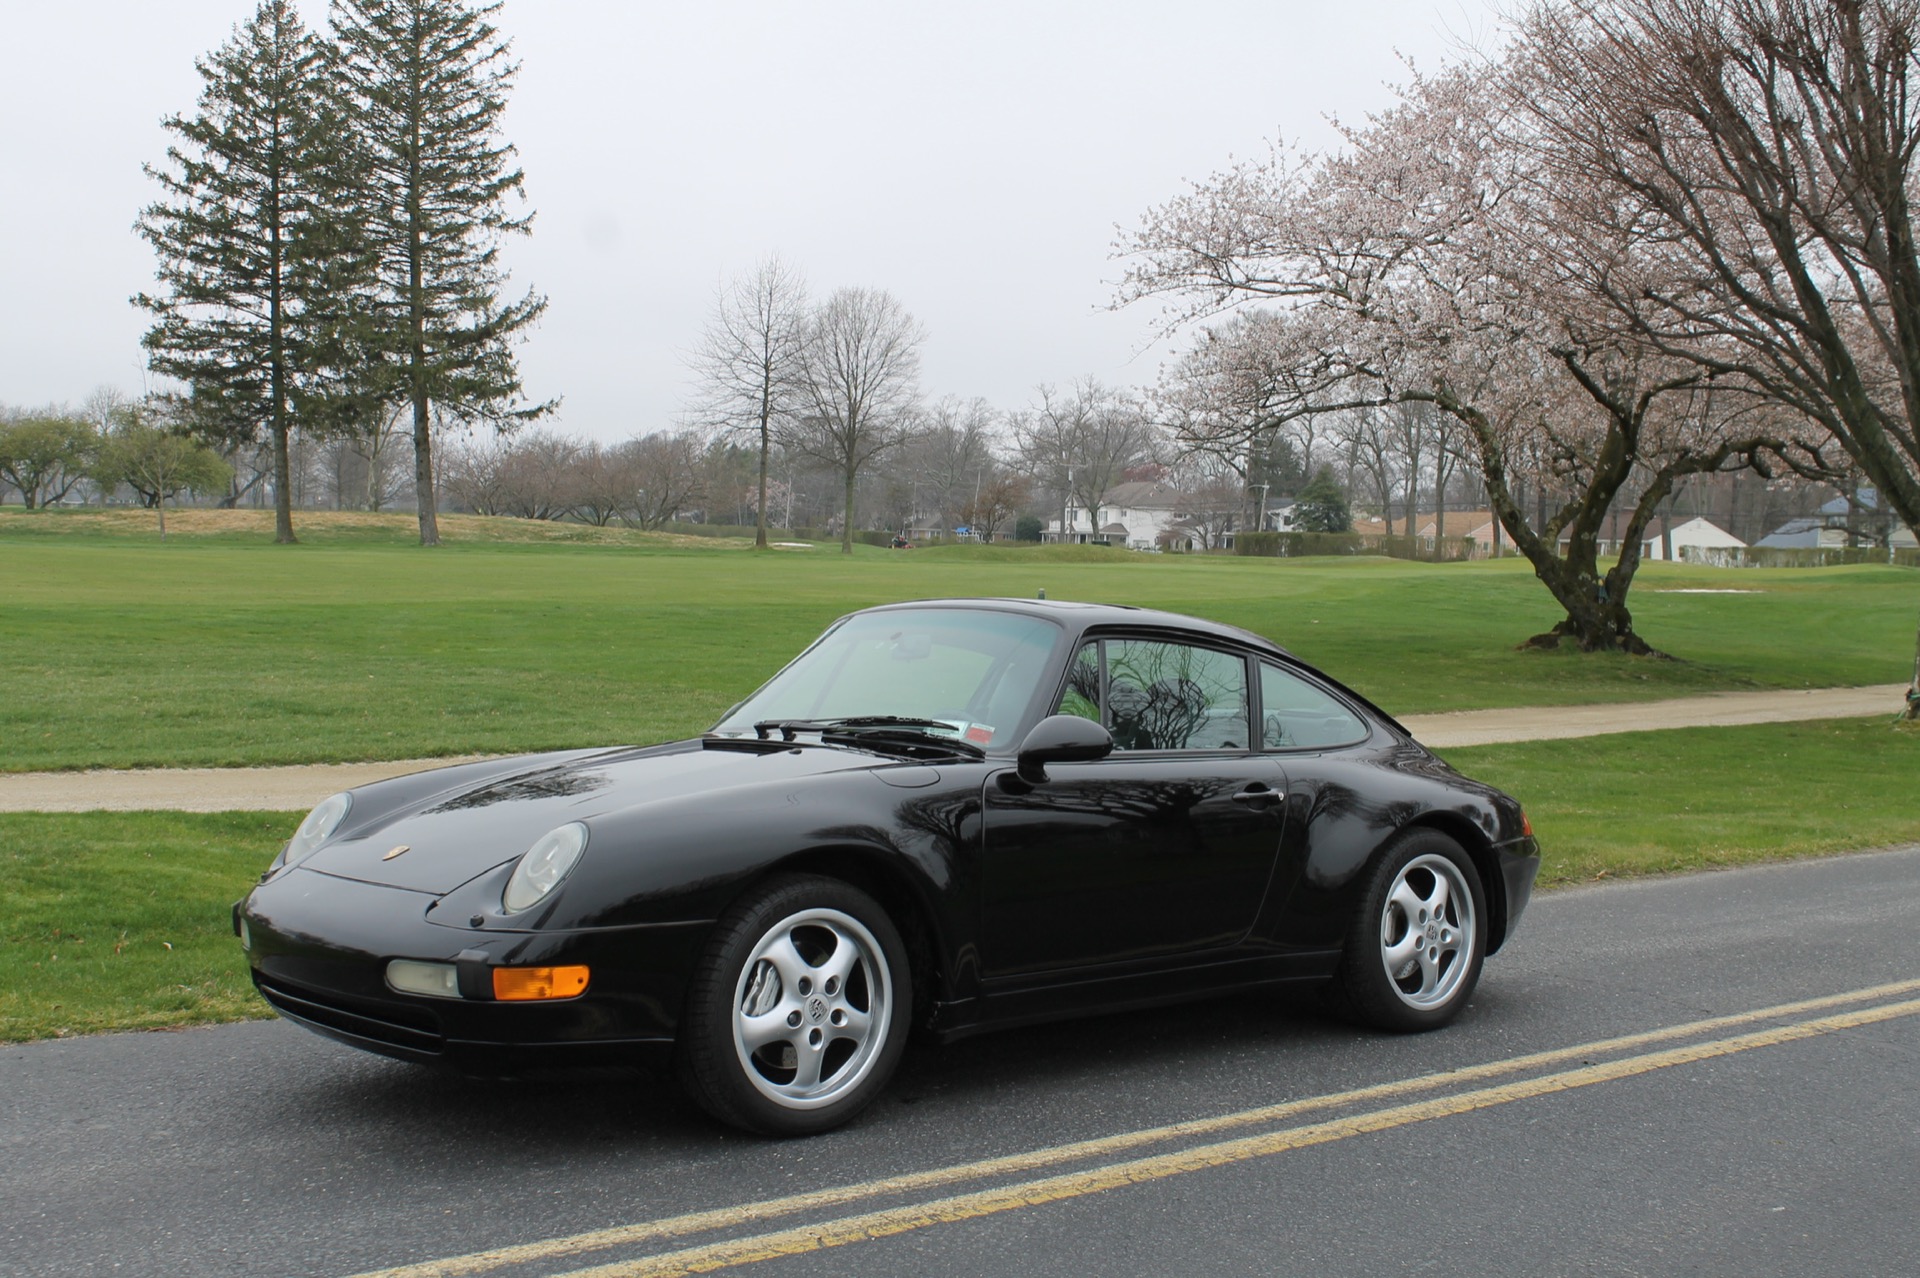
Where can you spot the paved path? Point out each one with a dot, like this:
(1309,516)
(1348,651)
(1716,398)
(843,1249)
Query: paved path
(288,789)
(1715,710)
(294,788)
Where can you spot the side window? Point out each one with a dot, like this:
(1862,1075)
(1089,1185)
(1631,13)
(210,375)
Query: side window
(1299,716)
(1082,696)
(1172,696)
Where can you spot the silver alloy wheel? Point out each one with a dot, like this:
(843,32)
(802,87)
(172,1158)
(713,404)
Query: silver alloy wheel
(812,1008)
(1427,931)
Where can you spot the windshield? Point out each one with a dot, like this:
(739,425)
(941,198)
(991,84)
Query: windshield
(972,673)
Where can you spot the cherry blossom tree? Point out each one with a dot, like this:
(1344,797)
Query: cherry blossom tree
(1768,149)
(1420,264)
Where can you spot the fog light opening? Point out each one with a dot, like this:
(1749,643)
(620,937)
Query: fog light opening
(435,980)
(523,984)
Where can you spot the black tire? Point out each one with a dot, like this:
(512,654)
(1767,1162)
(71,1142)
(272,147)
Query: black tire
(1418,936)
(799,1010)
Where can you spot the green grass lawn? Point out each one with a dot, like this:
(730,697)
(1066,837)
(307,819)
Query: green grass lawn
(1696,798)
(120,920)
(222,649)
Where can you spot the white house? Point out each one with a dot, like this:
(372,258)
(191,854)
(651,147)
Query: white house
(1145,515)
(1696,532)
(1134,515)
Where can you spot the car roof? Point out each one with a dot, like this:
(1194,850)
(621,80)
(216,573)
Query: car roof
(1079,616)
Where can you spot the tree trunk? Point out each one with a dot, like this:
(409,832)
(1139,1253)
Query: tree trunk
(277,386)
(424,497)
(423,468)
(760,522)
(282,487)
(1913,690)
(1597,618)
(846,521)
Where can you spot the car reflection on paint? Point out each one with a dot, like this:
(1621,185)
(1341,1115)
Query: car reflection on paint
(958,815)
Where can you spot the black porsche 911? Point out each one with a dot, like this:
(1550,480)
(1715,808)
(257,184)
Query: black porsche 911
(956,815)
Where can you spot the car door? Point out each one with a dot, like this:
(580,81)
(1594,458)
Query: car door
(1162,849)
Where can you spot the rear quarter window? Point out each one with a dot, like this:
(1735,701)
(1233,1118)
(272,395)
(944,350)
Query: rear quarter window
(1297,715)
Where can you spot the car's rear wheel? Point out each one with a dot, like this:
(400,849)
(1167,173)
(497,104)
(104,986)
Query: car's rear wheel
(1418,937)
(799,1011)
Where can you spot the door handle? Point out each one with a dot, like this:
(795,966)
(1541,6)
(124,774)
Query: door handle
(1258,795)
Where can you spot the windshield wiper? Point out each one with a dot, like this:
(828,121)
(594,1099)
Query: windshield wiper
(787,727)
(897,729)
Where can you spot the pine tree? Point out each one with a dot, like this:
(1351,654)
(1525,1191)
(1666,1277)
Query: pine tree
(1322,506)
(423,83)
(242,310)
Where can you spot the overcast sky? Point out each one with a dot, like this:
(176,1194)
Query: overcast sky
(973,159)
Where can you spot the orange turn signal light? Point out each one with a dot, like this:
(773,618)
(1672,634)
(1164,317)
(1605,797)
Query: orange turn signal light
(527,983)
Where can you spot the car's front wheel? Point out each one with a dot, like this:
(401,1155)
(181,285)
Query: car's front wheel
(1418,937)
(799,1011)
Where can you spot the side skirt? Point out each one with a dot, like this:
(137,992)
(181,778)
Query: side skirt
(1102,995)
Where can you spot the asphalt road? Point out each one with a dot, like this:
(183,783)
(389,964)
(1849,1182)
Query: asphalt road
(1632,1091)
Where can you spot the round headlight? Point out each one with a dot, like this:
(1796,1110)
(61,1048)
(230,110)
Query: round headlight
(544,865)
(315,830)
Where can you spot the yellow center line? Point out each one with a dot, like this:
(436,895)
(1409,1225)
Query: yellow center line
(1052,1189)
(1052,1156)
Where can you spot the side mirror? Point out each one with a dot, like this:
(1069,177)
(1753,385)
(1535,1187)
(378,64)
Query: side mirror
(1061,738)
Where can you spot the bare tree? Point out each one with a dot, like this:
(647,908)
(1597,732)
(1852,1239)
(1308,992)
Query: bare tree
(862,370)
(1212,505)
(1000,494)
(750,362)
(536,476)
(1366,436)
(1080,443)
(670,470)
(604,484)
(951,452)
(476,473)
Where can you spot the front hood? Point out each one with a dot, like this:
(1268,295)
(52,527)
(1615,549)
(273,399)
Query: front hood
(469,826)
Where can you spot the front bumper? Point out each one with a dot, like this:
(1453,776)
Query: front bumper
(1519,865)
(318,948)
